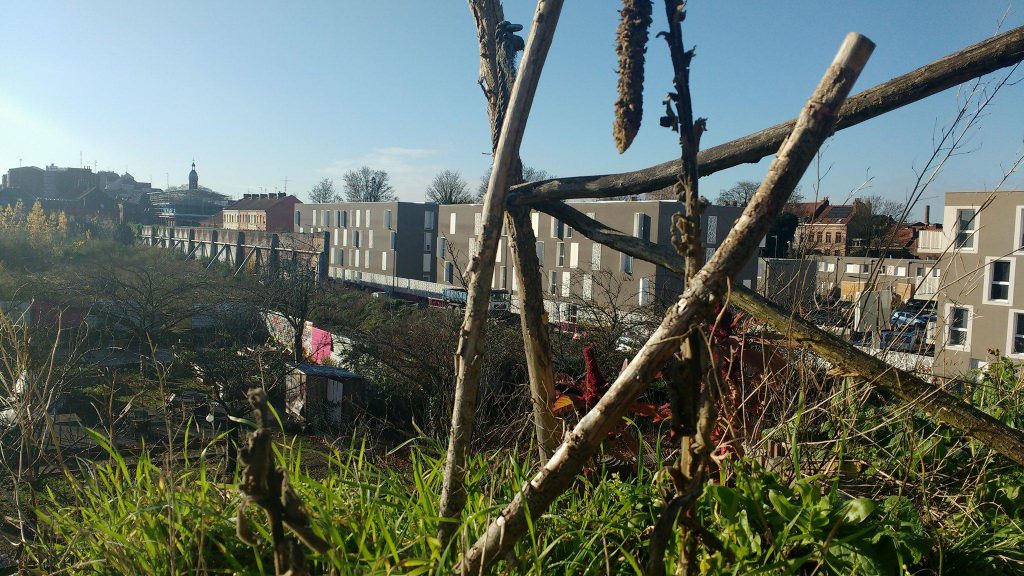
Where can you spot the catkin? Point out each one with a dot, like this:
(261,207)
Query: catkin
(631,44)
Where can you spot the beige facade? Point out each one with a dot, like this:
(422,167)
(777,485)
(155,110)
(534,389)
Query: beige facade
(576,271)
(981,304)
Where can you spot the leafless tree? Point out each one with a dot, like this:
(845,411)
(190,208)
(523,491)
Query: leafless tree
(323,192)
(448,187)
(368,185)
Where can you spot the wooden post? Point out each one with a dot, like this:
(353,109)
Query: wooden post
(468,357)
(814,125)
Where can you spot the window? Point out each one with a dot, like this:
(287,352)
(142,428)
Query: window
(358,214)
(344,218)
(449,272)
(557,230)
(428,243)
(442,247)
(451,223)
(535,222)
(588,286)
(367,218)
(313,220)
(355,239)
(566,283)
(325,217)
(819,237)
(428,262)
(341,257)
(394,240)
(965,228)
(712,234)
(595,257)
(501,248)
(384,261)
(574,255)
(344,237)
(540,252)
(641,225)
(958,326)
(553,282)
(357,252)
(298,218)
(472,248)
(428,220)
(999,281)
(1016,346)
(645,291)
(568,231)
(478,223)
(625,263)
(387,219)
(561,254)
(839,237)
(370,237)
(856,268)
(828,237)
(503,277)
(366,258)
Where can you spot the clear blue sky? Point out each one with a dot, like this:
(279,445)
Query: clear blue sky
(257,92)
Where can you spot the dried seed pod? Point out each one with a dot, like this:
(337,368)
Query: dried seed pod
(631,45)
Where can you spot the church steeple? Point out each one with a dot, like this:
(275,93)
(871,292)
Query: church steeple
(193,178)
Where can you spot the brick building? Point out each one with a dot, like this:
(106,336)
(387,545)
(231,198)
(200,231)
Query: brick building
(264,212)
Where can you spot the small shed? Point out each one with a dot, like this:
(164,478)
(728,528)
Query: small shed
(315,393)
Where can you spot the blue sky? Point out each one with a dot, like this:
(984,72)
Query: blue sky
(257,92)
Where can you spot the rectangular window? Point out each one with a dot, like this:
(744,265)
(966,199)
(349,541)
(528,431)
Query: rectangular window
(645,292)
(958,326)
(965,228)
(1017,345)
(556,228)
(625,263)
(553,282)
(449,272)
(298,218)
(387,219)
(540,252)
(839,237)
(312,222)
(472,248)
(355,239)
(394,240)
(337,218)
(574,255)
(357,253)
(344,237)
(828,237)
(367,218)
(428,262)
(359,218)
(341,257)
(344,218)
(325,217)
(366,258)
(428,243)
(370,244)
(568,231)
(853,268)
(442,247)
(503,277)
(535,222)
(641,225)
(999,284)
(451,224)
(428,220)
(561,254)
(566,284)
(712,235)
(595,257)
(478,223)
(501,248)
(384,261)
(588,286)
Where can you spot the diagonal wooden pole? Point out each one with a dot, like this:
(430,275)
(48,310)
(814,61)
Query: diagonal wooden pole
(814,125)
(468,357)
(939,404)
(497,69)
(997,52)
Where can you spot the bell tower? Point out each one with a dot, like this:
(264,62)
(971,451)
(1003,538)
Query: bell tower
(193,178)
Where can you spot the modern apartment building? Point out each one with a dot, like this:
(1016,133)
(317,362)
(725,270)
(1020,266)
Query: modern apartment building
(379,238)
(981,298)
(575,269)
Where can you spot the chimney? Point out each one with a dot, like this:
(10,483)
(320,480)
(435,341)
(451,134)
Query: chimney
(927,214)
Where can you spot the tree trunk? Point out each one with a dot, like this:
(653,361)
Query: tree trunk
(468,357)
(814,125)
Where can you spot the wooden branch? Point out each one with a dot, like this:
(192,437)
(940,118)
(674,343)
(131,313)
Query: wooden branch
(468,358)
(536,338)
(937,403)
(1001,51)
(815,124)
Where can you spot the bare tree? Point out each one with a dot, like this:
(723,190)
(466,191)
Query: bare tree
(368,185)
(530,174)
(874,225)
(448,187)
(323,192)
